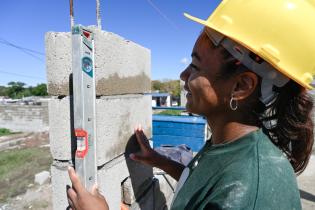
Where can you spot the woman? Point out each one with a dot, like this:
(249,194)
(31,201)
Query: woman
(249,79)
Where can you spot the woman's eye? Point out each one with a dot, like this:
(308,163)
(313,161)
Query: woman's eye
(194,67)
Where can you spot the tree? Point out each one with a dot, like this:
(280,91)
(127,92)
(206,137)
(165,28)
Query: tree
(167,86)
(15,89)
(156,85)
(3,91)
(39,90)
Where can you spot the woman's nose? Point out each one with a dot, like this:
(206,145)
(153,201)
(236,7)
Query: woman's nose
(185,74)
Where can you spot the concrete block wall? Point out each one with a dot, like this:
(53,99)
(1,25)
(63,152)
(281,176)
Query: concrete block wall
(122,70)
(25,118)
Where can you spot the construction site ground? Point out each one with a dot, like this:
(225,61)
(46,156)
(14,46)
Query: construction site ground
(21,157)
(18,191)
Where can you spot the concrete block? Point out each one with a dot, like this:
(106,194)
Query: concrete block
(109,181)
(59,180)
(116,118)
(42,177)
(59,128)
(121,66)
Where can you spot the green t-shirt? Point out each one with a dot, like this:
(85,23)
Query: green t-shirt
(249,173)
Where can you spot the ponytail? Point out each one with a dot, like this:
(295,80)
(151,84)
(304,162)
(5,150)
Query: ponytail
(288,122)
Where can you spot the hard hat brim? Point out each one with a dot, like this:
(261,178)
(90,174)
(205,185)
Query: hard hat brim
(198,20)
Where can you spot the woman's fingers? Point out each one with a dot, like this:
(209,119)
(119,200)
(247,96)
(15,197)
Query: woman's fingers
(142,139)
(72,198)
(70,204)
(76,184)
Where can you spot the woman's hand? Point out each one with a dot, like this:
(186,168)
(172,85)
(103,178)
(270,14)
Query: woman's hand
(146,155)
(80,199)
(152,158)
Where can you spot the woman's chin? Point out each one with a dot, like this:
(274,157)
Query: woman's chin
(190,108)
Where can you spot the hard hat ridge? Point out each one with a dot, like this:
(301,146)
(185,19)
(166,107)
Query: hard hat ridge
(281,32)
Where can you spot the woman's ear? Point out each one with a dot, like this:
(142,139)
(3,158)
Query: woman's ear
(244,85)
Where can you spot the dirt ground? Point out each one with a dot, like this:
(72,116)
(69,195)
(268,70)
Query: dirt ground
(40,197)
(35,197)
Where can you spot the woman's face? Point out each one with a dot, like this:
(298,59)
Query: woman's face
(207,95)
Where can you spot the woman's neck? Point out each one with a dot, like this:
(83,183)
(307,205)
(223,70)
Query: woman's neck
(229,131)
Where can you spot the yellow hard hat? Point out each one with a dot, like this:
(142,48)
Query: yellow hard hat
(282,32)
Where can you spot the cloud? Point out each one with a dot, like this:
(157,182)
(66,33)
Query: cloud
(184,61)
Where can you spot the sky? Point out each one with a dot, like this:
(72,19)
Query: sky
(158,25)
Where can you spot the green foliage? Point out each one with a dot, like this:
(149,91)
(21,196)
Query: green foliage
(156,85)
(18,167)
(16,90)
(39,90)
(166,86)
(3,91)
(5,132)
(170,112)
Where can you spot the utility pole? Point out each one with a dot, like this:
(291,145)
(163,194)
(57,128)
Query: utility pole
(98,14)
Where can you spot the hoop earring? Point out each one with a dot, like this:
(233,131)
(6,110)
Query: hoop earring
(233,104)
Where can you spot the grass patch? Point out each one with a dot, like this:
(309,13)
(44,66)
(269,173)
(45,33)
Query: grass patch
(170,112)
(5,132)
(18,168)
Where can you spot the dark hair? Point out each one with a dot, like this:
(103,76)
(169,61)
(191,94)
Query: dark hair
(293,130)
(287,120)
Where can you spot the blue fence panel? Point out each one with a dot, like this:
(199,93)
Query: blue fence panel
(170,108)
(175,130)
(195,131)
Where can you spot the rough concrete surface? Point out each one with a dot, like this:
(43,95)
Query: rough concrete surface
(117,116)
(109,181)
(59,181)
(121,66)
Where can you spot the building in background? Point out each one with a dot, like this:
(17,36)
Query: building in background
(161,99)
